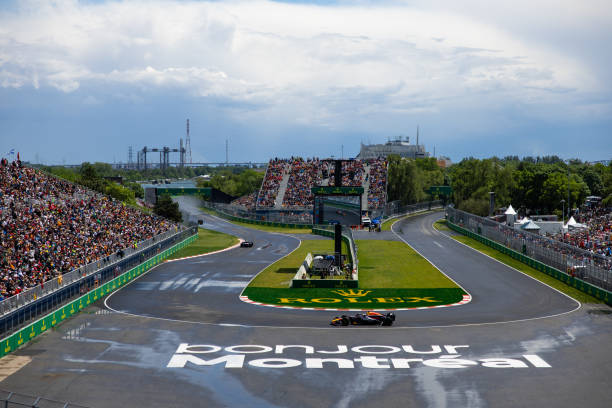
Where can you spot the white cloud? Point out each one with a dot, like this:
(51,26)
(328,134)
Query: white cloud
(325,62)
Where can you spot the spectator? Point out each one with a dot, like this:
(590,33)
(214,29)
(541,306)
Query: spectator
(50,226)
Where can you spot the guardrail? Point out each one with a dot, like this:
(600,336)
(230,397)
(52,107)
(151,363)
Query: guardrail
(523,248)
(16,301)
(221,210)
(400,211)
(30,331)
(58,292)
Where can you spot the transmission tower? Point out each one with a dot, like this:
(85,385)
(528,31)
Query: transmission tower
(130,158)
(188,145)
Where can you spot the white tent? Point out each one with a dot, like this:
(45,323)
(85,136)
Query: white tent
(530,226)
(522,221)
(510,210)
(571,221)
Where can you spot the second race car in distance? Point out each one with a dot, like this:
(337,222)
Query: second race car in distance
(246,244)
(364,319)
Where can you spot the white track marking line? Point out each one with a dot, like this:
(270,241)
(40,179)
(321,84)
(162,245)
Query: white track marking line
(240,241)
(325,328)
(452,280)
(523,273)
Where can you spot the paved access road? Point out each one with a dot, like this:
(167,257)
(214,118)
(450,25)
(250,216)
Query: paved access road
(107,359)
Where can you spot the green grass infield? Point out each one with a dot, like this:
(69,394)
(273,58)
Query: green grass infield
(207,241)
(362,299)
(391,276)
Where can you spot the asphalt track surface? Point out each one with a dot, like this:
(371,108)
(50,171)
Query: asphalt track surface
(119,355)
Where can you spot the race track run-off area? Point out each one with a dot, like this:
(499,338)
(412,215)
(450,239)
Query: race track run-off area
(181,336)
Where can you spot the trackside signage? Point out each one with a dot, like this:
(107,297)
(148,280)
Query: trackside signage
(342,356)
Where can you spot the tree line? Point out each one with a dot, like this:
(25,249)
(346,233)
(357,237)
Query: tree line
(536,185)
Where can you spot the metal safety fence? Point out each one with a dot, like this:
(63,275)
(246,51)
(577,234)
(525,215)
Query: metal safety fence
(52,285)
(347,235)
(52,314)
(395,209)
(17,400)
(294,216)
(303,217)
(572,261)
(18,310)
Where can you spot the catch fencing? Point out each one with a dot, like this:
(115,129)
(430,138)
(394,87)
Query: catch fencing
(57,312)
(298,218)
(17,400)
(395,209)
(302,218)
(18,310)
(571,261)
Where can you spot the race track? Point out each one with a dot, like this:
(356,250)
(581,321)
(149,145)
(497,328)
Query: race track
(206,289)
(181,337)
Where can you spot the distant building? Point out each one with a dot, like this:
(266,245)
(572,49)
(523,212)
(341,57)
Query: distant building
(400,146)
(444,162)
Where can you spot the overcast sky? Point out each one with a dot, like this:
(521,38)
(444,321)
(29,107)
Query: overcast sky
(83,80)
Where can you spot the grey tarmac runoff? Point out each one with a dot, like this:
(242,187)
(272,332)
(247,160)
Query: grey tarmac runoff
(179,336)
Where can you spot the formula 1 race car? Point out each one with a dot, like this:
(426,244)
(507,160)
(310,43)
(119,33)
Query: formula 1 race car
(364,319)
(246,244)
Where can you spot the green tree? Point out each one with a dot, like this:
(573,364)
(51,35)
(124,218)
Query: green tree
(120,193)
(166,208)
(405,180)
(90,178)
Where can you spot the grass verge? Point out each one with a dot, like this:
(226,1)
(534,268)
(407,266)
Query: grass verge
(267,228)
(440,225)
(391,276)
(534,273)
(393,264)
(207,241)
(279,274)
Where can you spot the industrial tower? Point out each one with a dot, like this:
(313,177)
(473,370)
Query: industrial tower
(188,145)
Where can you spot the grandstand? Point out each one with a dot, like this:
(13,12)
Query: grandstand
(50,227)
(287,183)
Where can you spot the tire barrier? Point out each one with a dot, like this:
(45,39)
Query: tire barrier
(29,332)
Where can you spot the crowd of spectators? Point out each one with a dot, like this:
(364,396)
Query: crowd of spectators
(377,192)
(304,175)
(248,201)
(307,173)
(269,187)
(352,173)
(596,237)
(583,253)
(50,226)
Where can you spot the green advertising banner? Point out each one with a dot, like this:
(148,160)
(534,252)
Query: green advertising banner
(205,191)
(16,340)
(440,190)
(327,190)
